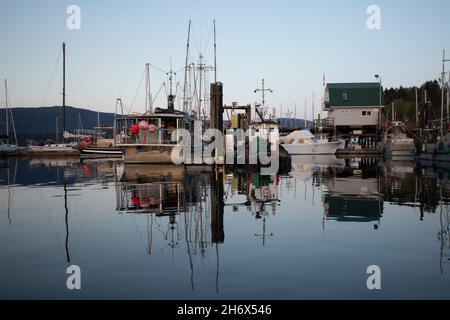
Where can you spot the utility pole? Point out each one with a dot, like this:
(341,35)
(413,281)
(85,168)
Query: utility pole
(393,112)
(417,110)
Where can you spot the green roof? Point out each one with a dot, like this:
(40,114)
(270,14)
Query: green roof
(341,95)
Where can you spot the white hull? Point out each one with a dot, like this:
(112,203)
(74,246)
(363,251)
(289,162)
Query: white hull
(9,148)
(102,151)
(326,148)
(51,148)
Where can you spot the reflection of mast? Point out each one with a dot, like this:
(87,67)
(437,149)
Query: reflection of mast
(66,220)
(217,211)
(9,190)
(149,234)
(264,235)
(189,251)
(217,208)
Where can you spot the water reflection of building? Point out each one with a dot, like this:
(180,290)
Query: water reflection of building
(354,193)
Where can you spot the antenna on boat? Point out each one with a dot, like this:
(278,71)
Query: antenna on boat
(186,69)
(263,91)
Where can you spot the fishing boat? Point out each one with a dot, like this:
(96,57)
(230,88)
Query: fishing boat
(397,143)
(151,137)
(304,142)
(97,143)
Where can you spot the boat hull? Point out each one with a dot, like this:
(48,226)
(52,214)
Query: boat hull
(148,154)
(101,153)
(327,148)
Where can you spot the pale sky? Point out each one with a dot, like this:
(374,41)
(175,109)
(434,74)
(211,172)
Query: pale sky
(289,43)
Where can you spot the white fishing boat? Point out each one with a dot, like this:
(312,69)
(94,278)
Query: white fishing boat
(304,142)
(397,143)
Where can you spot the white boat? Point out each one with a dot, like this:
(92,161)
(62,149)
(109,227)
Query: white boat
(6,148)
(51,148)
(398,144)
(304,142)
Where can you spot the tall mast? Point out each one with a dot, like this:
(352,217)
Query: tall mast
(443,92)
(63,126)
(215,53)
(6,111)
(148,94)
(186,68)
(313,115)
(306,103)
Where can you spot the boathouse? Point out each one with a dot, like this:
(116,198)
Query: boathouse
(355,112)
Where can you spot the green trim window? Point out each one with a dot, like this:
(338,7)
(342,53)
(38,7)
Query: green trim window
(344,96)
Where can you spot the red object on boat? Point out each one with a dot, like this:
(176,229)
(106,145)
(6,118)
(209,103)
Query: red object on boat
(151,128)
(134,130)
(143,125)
(136,201)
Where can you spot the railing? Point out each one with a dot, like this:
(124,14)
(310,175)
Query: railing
(158,137)
(324,123)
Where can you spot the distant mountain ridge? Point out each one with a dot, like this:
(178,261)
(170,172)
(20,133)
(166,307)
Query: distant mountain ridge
(286,123)
(39,123)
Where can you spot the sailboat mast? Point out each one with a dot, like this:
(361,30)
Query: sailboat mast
(215,53)
(442,95)
(6,111)
(63,124)
(148,92)
(186,69)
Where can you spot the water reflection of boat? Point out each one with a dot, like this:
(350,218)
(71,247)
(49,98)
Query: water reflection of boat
(184,197)
(54,162)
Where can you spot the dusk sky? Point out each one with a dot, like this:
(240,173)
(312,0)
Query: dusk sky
(289,43)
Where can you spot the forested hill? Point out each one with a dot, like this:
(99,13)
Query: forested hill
(404,100)
(40,122)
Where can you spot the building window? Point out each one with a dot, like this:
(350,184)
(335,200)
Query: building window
(366,113)
(345,97)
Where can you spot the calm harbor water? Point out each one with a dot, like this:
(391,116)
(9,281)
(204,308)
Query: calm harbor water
(164,232)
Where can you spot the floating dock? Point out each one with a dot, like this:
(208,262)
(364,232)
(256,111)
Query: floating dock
(358,152)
